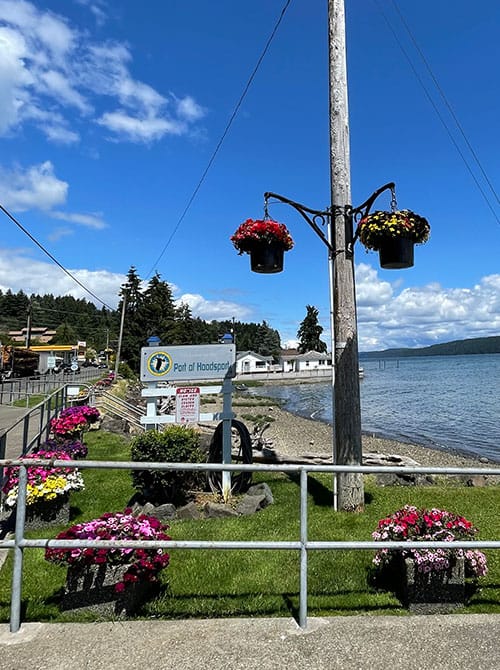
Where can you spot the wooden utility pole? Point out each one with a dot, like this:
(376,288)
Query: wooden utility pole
(347,424)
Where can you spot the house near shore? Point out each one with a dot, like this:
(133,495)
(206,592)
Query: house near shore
(249,361)
(310,360)
(290,361)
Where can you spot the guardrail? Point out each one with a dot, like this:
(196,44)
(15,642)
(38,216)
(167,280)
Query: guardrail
(302,544)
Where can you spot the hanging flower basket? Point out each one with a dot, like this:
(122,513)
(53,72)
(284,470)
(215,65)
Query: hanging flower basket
(393,235)
(265,241)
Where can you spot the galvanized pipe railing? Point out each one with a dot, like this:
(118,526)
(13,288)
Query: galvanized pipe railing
(303,545)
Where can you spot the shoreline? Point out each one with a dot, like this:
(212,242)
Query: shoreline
(296,435)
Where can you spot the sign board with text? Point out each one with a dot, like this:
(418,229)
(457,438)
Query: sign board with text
(187,404)
(190,362)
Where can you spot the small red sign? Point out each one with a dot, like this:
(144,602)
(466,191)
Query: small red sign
(187,404)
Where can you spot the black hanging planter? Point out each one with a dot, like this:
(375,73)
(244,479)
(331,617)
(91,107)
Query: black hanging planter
(266,257)
(396,253)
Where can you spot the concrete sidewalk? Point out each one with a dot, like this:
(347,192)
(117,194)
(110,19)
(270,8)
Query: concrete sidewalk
(436,642)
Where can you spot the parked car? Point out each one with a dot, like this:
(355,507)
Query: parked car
(66,369)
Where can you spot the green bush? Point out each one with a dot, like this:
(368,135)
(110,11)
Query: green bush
(175,444)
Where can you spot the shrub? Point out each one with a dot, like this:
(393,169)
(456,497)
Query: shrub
(175,444)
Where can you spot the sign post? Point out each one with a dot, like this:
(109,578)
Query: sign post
(191,363)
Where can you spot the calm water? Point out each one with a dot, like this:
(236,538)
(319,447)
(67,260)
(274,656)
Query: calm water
(448,402)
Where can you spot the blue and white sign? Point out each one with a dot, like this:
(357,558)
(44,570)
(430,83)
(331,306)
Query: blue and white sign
(207,361)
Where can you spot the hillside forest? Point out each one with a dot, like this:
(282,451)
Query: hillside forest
(149,309)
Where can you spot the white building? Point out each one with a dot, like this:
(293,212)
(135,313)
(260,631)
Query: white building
(311,360)
(249,361)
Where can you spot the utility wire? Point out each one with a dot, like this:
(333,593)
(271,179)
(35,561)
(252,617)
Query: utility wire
(223,136)
(445,100)
(52,258)
(438,113)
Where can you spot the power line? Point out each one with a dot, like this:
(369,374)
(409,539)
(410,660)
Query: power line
(438,113)
(445,100)
(223,136)
(52,258)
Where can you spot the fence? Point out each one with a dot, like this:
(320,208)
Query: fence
(22,388)
(25,431)
(302,544)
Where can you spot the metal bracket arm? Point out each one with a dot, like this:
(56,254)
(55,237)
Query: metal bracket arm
(323,216)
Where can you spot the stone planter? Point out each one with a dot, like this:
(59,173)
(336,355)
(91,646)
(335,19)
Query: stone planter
(431,592)
(47,513)
(91,588)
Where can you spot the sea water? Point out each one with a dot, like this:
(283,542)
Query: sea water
(445,402)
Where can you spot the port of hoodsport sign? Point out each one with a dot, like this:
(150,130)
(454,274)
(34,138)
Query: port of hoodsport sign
(208,361)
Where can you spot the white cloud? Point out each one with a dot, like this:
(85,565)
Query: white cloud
(34,188)
(48,67)
(137,129)
(18,271)
(89,220)
(213,309)
(98,9)
(188,109)
(37,187)
(419,316)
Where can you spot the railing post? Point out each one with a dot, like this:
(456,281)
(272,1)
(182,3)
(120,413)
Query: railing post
(26,436)
(17,572)
(303,550)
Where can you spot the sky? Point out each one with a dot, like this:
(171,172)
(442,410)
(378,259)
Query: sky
(111,113)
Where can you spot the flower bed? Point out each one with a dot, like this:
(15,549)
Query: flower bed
(73,420)
(410,523)
(45,483)
(73,447)
(142,564)
(427,580)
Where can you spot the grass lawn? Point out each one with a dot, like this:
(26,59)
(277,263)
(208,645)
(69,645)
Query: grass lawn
(201,583)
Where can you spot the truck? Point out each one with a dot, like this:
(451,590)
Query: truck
(17,362)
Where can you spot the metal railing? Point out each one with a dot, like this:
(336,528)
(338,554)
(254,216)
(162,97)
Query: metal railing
(23,387)
(302,544)
(120,408)
(24,431)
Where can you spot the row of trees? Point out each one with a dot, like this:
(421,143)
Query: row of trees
(153,311)
(148,310)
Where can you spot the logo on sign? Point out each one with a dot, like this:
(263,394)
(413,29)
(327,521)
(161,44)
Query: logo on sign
(159,363)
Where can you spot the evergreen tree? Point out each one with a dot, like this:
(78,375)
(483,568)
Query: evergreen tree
(134,329)
(65,334)
(268,342)
(309,333)
(158,309)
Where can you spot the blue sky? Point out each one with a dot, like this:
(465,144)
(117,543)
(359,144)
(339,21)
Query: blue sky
(111,112)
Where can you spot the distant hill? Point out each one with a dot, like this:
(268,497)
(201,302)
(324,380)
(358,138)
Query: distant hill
(477,345)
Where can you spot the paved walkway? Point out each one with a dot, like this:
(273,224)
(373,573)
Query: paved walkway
(8,417)
(437,642)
